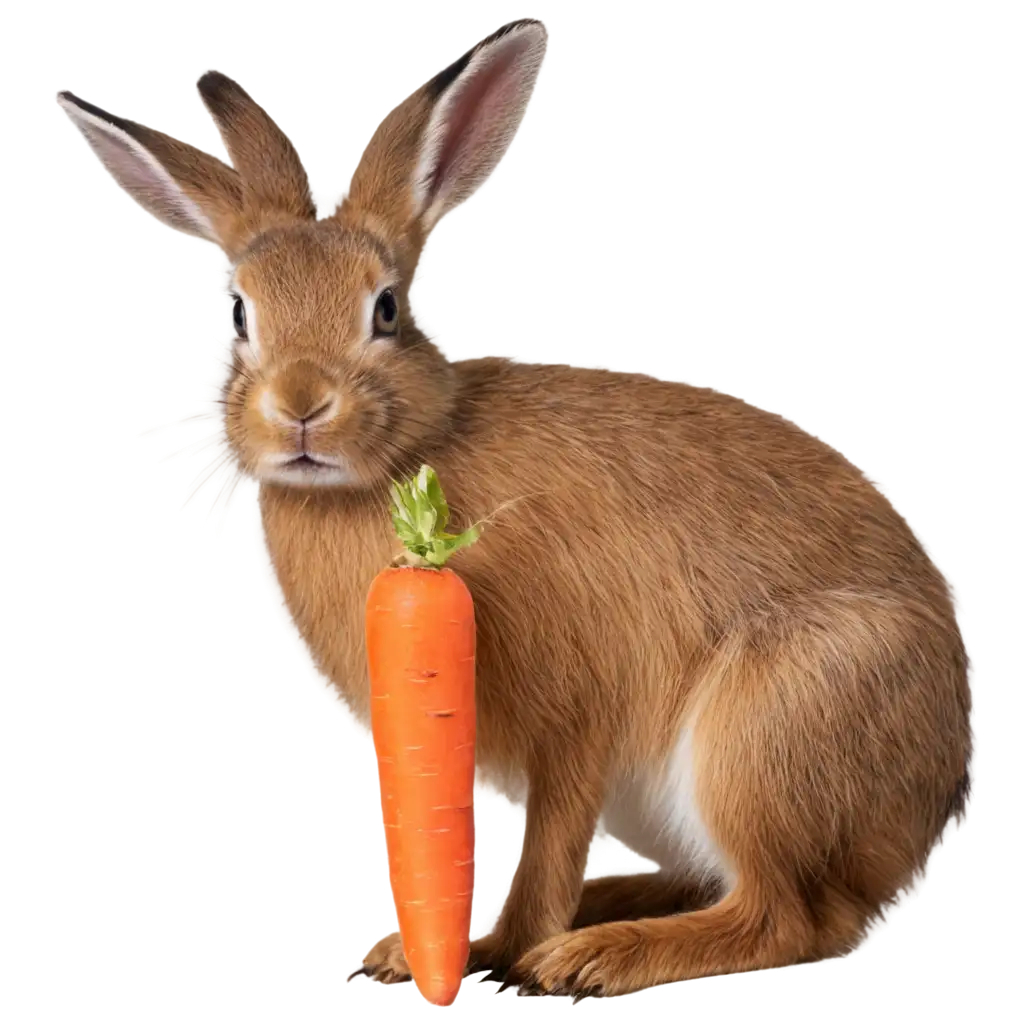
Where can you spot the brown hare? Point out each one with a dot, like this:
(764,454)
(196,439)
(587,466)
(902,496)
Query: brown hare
(697,623)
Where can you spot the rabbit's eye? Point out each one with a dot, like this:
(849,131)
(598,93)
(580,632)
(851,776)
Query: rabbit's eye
(239,316)
(385,314)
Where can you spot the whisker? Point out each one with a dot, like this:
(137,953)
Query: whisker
(239,477)
(218,464)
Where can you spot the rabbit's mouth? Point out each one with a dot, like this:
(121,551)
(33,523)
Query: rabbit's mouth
(305,460)
(305,469)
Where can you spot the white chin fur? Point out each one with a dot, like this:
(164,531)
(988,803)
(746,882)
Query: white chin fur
(276,470)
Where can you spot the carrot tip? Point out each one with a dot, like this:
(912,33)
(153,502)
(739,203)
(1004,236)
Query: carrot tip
(438,999)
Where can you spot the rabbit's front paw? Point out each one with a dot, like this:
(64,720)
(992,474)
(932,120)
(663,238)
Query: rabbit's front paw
(385,962)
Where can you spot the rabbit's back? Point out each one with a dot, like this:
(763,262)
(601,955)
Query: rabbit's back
(748,506)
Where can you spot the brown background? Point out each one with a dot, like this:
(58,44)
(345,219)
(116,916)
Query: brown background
(186,833)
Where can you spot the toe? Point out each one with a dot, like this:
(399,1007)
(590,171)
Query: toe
(591,962)
(497,958)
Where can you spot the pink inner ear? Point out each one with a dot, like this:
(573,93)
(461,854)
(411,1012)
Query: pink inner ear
(480,118)
(145,180)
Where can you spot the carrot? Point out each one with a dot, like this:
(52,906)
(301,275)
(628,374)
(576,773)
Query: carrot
(421,645)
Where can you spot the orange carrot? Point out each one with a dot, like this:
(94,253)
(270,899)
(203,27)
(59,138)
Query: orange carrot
(421,642)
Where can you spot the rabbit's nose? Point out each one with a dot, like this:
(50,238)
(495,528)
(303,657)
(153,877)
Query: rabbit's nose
(300,396)
(309,413)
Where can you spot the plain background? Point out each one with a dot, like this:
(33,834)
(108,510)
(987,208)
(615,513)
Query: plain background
(816,207)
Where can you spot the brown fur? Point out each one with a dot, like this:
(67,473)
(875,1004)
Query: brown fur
(662,556)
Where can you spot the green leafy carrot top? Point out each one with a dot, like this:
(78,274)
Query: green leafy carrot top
(420,515)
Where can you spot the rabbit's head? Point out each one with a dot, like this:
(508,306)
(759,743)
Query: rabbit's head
(331,383)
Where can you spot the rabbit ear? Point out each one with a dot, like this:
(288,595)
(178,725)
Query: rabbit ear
(273,178)
(435,149)
(180,185)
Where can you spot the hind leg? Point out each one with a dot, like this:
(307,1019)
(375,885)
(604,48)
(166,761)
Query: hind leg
(632,897)
(624,956)
(829,751)
(766,920)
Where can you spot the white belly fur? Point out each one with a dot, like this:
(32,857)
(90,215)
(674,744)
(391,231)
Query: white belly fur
(651,818)
(655,815)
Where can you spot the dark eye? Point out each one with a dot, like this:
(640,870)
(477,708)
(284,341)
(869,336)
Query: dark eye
(239,315)
(385,314)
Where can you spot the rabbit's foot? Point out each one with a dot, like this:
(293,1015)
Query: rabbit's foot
(385,962)
(603,960)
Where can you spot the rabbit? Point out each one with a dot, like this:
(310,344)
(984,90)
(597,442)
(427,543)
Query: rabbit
(699,627)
